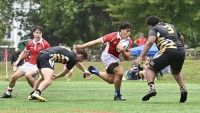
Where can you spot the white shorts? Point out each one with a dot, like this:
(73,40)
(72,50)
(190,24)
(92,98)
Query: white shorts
(27,67)
(108,59)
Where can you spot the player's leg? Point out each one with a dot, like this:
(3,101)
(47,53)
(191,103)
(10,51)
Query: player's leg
(159,62)
(151,75)
(31,70)
(176,68)
(103,75)
(29,77)
(47,74)
(178,77)
(19,73)
(37,83)
(69,74)
(117,82)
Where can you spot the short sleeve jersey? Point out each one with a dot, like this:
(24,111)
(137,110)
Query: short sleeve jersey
(167,36)
(61,54)
(35,48)
(141,41)
(112,41)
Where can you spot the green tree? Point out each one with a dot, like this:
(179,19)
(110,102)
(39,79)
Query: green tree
(6,16)
(184,14)
(67,21)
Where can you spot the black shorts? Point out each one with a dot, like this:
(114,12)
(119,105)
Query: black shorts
(110,69)
(44,61)
(173,57)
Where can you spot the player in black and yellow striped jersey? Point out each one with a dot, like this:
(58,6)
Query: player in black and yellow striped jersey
(170,44)
(46,60)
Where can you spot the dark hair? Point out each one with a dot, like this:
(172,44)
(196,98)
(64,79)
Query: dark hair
(83,52)
(152,20)
(39,28)
(125,25)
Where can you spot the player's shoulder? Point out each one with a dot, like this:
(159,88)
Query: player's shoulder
(112,34)
(44,41)
(29,42)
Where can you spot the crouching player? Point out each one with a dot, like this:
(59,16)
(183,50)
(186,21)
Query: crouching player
(45,64)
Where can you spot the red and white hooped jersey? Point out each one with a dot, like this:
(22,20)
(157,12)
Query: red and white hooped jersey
(35,48)
(112,41)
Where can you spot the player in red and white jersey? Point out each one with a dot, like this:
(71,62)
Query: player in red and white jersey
(28,69)
(110,57)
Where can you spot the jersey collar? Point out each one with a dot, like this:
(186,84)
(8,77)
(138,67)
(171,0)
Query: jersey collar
(118,36)
(40,41)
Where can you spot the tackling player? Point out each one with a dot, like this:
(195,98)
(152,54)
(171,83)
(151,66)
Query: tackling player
(45,62)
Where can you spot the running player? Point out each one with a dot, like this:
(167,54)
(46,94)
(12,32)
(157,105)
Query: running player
(170,43)
(110,57)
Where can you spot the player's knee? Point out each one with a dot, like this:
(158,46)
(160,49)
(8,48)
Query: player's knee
(151,69)
(110,82)
(28,76)
(175,72)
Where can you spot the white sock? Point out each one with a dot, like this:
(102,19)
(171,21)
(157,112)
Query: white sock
(9,91)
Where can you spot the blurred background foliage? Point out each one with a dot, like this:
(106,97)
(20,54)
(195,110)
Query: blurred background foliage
(79,21)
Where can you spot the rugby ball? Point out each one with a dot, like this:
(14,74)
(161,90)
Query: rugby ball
(125,43)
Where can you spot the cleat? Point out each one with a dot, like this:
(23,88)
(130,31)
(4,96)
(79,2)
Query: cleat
(5,96)
(93,70)
(149,95)
(119,98)
(183,95)
(39,98)
(30,97)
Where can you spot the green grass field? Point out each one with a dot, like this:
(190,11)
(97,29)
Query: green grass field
(96,96)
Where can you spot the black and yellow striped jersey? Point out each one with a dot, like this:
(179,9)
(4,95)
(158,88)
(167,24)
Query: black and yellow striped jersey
(167,36)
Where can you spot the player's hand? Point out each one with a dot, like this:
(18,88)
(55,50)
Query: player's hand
(15,63)
(87,74)
(138,60)
(120,47)
(54,77)
(77,47)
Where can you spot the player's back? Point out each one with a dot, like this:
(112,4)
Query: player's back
(168,36)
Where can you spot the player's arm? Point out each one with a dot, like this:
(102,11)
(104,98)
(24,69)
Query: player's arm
(147,46)
(21,56)
(82,68)
(126,54)
(88,44)
(181,38)
(62,73)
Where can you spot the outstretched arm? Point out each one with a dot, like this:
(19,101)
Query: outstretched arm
(147,46)
(88,44)
(81,67)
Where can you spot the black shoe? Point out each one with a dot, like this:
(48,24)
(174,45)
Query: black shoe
(183,95)
(149,95)
(93,70)
(119,98)
(5,96)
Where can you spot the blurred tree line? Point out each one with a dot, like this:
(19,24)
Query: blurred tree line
(79,21)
